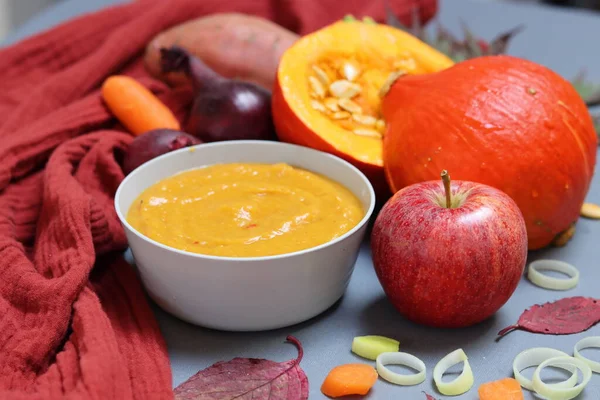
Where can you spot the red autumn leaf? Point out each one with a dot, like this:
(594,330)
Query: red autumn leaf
(562,317)
(248,378)
(428,396)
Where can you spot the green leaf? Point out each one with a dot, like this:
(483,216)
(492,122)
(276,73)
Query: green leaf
(349,18)
(471,46)
(369,20)
(589,92)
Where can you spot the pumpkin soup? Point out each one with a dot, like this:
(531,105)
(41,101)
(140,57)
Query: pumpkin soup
(245,210)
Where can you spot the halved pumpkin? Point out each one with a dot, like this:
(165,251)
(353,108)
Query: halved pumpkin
(327,91)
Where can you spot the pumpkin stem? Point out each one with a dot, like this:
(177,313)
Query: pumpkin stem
(446,180)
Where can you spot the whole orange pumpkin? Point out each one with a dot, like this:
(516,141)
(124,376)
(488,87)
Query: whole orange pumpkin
(502,121)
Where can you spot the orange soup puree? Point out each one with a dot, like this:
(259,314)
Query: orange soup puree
(245,210)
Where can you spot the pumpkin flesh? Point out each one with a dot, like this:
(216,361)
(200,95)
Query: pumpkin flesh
(370,53)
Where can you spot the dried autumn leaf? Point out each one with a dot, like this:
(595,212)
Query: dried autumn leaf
(428,396)
(472,46)
(248,378)
(499,45)
(562,317)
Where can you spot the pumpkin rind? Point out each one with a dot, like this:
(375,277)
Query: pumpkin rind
(297,122)
(502,121)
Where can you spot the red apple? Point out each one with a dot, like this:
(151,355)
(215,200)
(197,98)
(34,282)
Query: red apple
(449,254)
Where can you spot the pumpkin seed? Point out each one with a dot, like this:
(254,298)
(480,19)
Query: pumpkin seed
(390,81)
(340,115)
(350,106)
(321,75)
(590,210)
(380,125)
(343,89)
(317,105)
(406,65)
(367,132)
(316,87)
(350,71)
(366,120)
(332,104)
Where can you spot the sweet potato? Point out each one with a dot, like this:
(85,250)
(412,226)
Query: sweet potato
(234,45)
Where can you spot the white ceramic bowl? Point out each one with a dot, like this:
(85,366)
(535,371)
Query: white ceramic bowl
(245,294)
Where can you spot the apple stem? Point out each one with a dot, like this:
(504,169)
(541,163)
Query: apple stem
(446,180)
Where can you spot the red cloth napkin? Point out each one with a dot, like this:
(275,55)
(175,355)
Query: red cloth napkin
(74,321)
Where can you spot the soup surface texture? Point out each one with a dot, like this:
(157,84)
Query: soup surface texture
(245,210)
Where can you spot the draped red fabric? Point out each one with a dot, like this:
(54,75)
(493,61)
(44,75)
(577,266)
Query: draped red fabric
(74,320)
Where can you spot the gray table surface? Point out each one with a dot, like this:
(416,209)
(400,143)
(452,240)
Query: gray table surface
(560,39)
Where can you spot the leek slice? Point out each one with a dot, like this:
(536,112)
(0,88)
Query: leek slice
(398,358)
(548,282)
(372,345)
(463,383)
(552,392)
(534,357)
(586,343)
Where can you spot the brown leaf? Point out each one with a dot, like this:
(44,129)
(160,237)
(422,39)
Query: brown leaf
(499,45)
(563,317)
(248,378)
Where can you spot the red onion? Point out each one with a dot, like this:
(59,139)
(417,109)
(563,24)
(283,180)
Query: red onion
(153,144)
(223,109)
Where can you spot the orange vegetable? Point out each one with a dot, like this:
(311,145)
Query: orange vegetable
(349,379)
(503,389)
(138,109)
(226,42)
(510,123)
(327,92)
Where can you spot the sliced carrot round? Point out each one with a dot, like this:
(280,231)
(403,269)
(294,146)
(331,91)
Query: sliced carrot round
(349,379)
(503,389)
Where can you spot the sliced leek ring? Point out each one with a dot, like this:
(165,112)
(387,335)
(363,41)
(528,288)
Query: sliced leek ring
(373,345)
(548,282)
(552,392)
(399,358)
(586,343)
(534,357)
(463,383)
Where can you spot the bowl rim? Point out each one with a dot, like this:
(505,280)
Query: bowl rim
(233,143)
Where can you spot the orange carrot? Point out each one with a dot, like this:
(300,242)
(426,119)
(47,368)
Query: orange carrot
(138,109)
(503,389)
(349,379)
